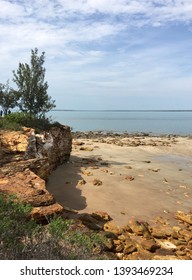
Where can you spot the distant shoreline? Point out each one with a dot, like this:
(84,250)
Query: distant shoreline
(72,110)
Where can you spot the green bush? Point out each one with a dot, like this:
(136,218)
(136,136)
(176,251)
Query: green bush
(25,119)
(7,125)
(18,117)
(15,121)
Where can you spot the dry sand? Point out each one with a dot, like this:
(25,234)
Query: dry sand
(145,182)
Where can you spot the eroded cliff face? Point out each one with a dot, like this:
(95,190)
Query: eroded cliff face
(26,161)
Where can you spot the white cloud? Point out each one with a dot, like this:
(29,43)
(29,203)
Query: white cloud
(10,10)
(93,46)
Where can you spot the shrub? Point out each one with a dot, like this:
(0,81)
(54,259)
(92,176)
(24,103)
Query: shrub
(59,226)
(14,225)
(15,121)
(22,238)
(7,125)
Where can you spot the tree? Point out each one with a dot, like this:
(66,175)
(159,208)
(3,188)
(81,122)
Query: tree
(8,97)
(32,90)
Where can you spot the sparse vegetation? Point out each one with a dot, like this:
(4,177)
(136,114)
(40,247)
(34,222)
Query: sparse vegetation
(23,238)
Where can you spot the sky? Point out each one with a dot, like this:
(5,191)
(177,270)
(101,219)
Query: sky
(103,54)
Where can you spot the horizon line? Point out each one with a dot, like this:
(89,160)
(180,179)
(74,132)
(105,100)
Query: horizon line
(125,110)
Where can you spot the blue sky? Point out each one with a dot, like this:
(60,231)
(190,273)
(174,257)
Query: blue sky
(104,54)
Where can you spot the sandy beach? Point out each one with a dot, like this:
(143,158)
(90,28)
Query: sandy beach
(144,177)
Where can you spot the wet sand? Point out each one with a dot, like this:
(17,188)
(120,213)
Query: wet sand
(143,177)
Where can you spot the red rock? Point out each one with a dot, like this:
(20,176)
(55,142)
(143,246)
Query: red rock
(43,214)
(26,160)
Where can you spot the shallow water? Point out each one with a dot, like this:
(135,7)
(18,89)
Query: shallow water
(156,122)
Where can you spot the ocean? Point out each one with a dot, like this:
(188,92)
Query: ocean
(153,122)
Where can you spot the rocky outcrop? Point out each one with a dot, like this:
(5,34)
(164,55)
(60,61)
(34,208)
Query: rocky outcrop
(42,153)
(140,241)
(125,139)
(27,159)
(31,189)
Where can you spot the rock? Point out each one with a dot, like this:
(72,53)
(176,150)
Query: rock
(175,233)
(101,216)
(139,228)
(112,227)
(166,245)
(89,149)
(91,222)
(117,242)
(161,232)
(30,189)
(129,178)
(119,248)
(127,229)
(186,234)
(128,167)
(154,169)
(97,182)
(143,254)
(14,141)
(41,153)
(183,217)
(43,199)
(120,255)
(78,143)
(124,237)
(81,182)
(150,245)
(108,243)
(87,173)
(44,214)
(104,170)
(129,248)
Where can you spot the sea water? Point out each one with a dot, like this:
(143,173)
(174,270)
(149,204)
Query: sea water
(154,122)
